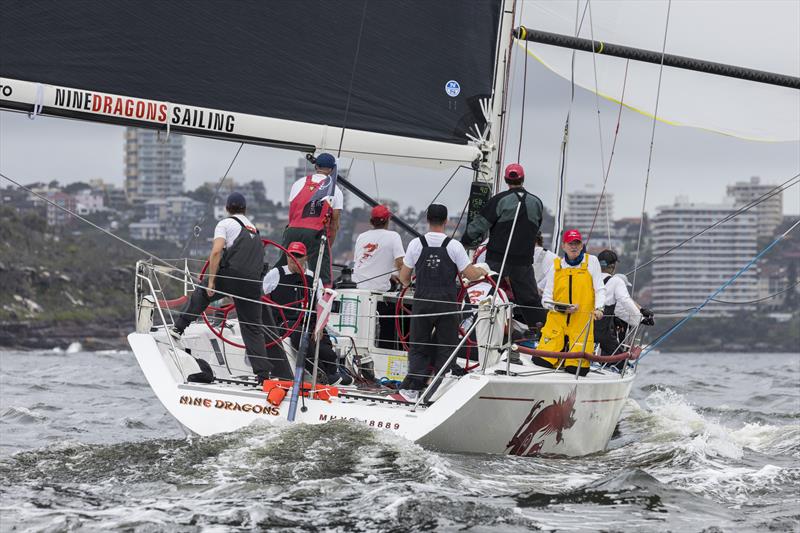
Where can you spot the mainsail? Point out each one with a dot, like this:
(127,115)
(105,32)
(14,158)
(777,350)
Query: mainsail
(762,35)
(393,81)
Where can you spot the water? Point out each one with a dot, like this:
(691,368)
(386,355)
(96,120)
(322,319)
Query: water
(707,443)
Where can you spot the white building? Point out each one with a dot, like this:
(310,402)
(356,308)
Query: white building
(582,213)
(688,275)
(171,219)
(89,201)
(769,212)
(153,168)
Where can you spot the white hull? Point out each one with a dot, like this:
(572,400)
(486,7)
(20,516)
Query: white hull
(540,412)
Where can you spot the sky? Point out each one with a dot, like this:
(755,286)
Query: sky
(685,161)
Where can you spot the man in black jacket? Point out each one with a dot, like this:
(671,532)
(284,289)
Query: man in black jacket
(497,218)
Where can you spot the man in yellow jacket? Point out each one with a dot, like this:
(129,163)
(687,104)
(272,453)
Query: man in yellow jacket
(575,295)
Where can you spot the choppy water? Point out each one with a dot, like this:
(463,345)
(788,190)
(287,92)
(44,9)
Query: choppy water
(707,443)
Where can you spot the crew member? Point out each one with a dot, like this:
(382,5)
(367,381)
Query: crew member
(575,294)
(497,218)
(377,259)
(284,285)
(378,253)
(315,205)
(437,261)
(620,311)
(234,267)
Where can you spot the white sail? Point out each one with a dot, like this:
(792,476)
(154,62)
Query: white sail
(762,35)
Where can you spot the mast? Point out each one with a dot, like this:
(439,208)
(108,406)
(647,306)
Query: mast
(489,141)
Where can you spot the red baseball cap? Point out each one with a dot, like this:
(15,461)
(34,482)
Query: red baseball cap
(572,235)
(515,172)
(381,212)
(297,249)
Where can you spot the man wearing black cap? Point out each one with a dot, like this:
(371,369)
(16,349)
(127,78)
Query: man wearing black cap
(497,219)
(237,256)
(620,311)
(315,205)
(437,261)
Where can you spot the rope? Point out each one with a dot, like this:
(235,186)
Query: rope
(752,262)
(446,183)
(352,79)
(79,217)
(650,154)
(610,159)
(524,93)
(199,225)
(603,173)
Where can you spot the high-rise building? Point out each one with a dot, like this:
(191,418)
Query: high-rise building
(686,276)
(292,174)
(769,213)
(153,168)
(583,214)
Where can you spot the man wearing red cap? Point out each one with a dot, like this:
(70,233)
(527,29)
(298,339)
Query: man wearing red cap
(496,219)
(284,285)
(378,253)
(575,294)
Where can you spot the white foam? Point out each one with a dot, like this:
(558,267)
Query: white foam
(75,347)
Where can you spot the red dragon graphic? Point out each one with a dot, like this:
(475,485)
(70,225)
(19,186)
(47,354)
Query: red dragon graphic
(554,418)
(368,248)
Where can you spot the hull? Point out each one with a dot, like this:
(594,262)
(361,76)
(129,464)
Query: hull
(540,412)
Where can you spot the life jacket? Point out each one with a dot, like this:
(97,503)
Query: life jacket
(307,212)
(245,257)
(289,292)
(436,273)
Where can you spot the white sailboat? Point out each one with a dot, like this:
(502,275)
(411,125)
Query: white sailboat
(503,403)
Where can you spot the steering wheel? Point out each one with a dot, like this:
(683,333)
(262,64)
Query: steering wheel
(219,331)
(402,309)
(463,295)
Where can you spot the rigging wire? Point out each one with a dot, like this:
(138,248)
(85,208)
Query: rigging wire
(446,183)
(599,121)
(610,159)
(524,90)
(199,226)
(352,79)
(652,140)
(725,285)
(771,296)
(763,198)
(79,217)
(375,177)
(562,162)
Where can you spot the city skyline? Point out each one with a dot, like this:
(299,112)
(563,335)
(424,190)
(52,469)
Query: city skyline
(685,160)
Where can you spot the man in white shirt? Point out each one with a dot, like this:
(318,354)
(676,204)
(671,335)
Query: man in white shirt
(234,267)
(620,311)
(542,262)
(437,261)
(575,294)
(378,253)
(315,206)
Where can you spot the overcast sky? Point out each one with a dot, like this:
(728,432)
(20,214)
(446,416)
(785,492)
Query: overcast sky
(685,161)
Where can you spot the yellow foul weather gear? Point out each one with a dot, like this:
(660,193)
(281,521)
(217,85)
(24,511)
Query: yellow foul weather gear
(570,332)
